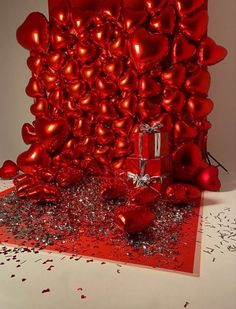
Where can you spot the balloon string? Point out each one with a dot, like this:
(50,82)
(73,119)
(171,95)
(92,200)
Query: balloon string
(210,156)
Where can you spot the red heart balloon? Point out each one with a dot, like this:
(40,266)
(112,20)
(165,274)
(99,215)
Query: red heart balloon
(182,49)
(185,7)
(182,193)
(195,26)
(58,37)
(81,127)
(128,105)
(52,133)
(122,147)
(90,73)
(164,22)
(149,108)
(86,52)
(134,4)
(118,46)
(210,53)
(129,81)
(43,193)
(33,33)
(101,34)
(105,87)
(55,60)
(143,196)
(154,6)
(165,120)
(132,18)
(113,67)
(35,64)
(70,70)
(199,82)
(40,108)
(60,14)
(173,100)
(29,134)
(35,156)
(106,112)
(104,135)
(175,76)
(89,102)
(134,220)
(8,170)
(148,87)
(123,126)
(147,49)
(56,97)
(76,89)
(208,179)
(81,19)
(187,161)
(184,132)
(199,107)
(34,88)
(49,80)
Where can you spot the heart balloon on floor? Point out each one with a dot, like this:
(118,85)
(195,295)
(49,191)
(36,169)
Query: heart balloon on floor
(102,68)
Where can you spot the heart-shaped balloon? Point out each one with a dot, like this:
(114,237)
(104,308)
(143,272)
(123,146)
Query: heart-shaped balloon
(70,70)
(34,88)
(90,73)
(173,100)
(134,219)
(164,22)
(199,107)
(103,133)
(129,81)
(89,102)
(8,170)
(60,14)
(118,46)
(148,87)
(35,63)
(40,108)
(123,126)
(123,147)
(29,134)
(58,37)
(76,89)
(105,87)
(33,33)
(43,193)
(35,156)
(55,60)
(149,108)
(208,179)
(165,121)
(188,162)
(147,49)
(133,18)
(128,105)
(101,34)
(195,26)
(86,52)
(81,127)
(185,7)
(106,112)
(183,131)
(81,19)
(175,76)
(154,6)
(210,53)
(134,4)
(179,193)
(182,49)
(143,196)
(56,97)
(52,133)
(49,80)
(199,82)
(113,67)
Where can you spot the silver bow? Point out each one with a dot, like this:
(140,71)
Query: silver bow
(144,127)
(140,181)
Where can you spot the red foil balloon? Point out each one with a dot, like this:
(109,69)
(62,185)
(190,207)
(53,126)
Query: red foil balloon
(35,63)
(199,82)
(154,6)
(199,107)
(182,49)
(129,81)
(33,33)
(133,18)
(186,7)
(164,22)
(210,53)
(29,134)
(208,179)
(175,76)
(148,87)
(8,170)
(143,196)
(184,132)
(173,100)
(182,193)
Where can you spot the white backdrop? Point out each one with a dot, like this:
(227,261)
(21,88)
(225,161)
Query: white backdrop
(14,75)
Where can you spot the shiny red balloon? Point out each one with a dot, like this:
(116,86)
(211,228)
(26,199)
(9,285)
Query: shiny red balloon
(105,87)
(199,82)
(123,126)
(70,70)
(33,33)
(199,107)
(35,156)
(133,18)
(149,108)
(165,120)
(154,6)
(164,22)
(182,50)
(147,49)
(173,100)
(128,105)
(8,170)
(129,81)
(184,132)
(210,53)
(49,80)
(208,179)
(34,88)
(175,76)
(40,108)
(185,7)
(55,60)
(148,87)
(143,196)
(182,193)
(35,63)
(28,133)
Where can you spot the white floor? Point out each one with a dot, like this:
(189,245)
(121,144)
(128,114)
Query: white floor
(110,286)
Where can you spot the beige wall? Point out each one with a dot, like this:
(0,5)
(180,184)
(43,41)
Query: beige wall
(14,104)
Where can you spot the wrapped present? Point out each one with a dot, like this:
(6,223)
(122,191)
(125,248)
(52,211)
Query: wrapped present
(150,142)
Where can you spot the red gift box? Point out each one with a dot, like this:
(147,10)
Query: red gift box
(150,142)
(155,173)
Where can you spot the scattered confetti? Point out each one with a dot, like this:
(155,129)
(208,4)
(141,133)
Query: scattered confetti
(46,291)
(83,296)
(186,304)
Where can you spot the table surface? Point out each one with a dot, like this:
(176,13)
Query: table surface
(79,284)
